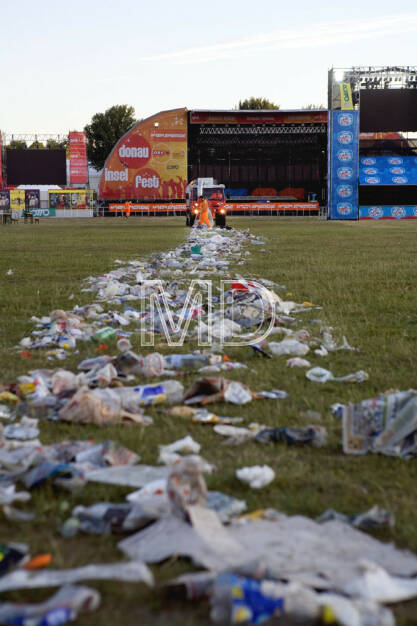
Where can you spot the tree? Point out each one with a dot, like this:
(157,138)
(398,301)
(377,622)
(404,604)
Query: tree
(257,103)
(313,107)
(53,144)
(36,145)
(105,129)
(18,145)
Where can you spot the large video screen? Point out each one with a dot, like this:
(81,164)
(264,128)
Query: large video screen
(36,167)
(388,109)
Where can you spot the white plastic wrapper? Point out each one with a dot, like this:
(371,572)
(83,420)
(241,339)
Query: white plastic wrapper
(288,346)
(321,375)
(186,445)
(297,361)
(237,394)
(257,476)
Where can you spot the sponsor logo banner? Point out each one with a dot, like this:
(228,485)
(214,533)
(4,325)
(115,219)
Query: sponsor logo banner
(346,97)
(230,207)
(387,212)
(78,157)
(43,212)
(150,161)
(343,150)
(388,171)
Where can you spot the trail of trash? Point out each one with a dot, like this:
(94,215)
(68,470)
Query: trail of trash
(254,565)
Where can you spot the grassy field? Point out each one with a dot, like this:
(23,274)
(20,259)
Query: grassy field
(362,274)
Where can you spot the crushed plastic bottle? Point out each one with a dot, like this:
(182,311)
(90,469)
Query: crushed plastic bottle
(104,334)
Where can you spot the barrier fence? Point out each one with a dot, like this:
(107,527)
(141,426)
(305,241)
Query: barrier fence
(167,209)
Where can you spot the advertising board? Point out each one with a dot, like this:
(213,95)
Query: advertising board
(150,161)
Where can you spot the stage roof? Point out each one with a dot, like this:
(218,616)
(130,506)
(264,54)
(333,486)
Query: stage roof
(250,116)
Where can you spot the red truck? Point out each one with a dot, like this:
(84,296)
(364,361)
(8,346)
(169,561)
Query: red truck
(213,193)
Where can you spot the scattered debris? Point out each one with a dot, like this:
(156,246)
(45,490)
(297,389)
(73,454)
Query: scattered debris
(245,557)
(386,424)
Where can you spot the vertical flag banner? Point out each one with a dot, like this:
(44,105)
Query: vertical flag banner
(346,97)
(78,157)
(343,170)
(149,161)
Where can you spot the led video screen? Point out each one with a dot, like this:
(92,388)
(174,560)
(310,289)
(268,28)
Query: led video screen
(388,110)
(36,167)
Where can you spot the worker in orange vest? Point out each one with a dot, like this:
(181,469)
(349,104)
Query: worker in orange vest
(127,209)
(204,210)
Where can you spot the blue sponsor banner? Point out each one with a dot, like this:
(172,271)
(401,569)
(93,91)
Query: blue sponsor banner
(343,165)
(394,170)
(385,212)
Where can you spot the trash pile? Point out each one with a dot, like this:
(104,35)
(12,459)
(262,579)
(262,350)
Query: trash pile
(254,565)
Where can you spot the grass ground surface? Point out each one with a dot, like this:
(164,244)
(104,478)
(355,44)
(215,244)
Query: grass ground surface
(362,274)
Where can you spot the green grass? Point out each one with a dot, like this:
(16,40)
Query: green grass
(362,274)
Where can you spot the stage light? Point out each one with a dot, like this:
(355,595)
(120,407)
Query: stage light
(156,124)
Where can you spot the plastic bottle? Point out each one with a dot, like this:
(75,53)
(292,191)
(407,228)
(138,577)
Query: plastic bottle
(132,398)
(66,342)
(104,334)
(186,361)
(234,597)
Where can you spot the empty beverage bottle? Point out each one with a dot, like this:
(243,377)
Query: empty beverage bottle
(186,361)
(104,334)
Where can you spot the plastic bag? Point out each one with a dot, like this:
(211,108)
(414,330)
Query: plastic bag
(257,476)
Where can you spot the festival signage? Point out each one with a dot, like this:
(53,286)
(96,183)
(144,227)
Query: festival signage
(32,199)
(78,157)
(343,162)
(346,97)
(17,199)
(43,212)
(150,161)
(388,170)
(71,199)
(59,200)
(256,117)
(259,207)
(386,212)
(4,201)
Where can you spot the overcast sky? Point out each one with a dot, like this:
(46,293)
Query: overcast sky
(61,62)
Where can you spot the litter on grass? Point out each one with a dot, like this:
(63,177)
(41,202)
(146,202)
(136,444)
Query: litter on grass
(245,557)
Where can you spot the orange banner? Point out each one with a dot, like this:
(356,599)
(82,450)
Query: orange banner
(149,161)
(145,208)
(230,208)
(272,206)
